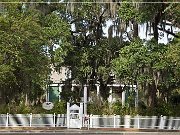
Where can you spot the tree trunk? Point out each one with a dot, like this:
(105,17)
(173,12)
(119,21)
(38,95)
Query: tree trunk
(153,98)
(135,27)
(155,28)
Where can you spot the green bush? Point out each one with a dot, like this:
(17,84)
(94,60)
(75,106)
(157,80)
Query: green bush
(21,108)
(162,108)
(14,108)
(123,110)
(106,108)
(59,107)
(96,108)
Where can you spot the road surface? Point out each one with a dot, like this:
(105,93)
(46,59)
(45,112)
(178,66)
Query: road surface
(83,132)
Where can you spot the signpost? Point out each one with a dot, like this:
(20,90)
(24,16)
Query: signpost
(47,105)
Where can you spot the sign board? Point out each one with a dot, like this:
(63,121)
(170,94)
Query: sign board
(47,105)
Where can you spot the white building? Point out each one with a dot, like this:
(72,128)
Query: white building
(58,78)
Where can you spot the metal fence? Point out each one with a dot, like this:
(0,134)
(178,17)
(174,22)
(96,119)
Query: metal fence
(33,120)
(138,122)
(91,121)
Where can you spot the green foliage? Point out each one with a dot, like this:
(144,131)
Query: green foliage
(144,12)
(93,109)
(96,108)
(150,64)
(22,108)
(25,36)
(59,108)
(126,65)
(162,108)
(14,108)
(6,74)
(172,13)
(173,53)
(21,51)
(128,11)
(38,35)
(105,108)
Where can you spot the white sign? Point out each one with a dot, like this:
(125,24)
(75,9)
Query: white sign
(48,105)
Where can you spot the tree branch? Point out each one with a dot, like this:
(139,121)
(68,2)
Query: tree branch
(168,32)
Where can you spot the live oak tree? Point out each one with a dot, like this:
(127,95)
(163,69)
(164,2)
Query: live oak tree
(26,35)
(91,53)
(145,63)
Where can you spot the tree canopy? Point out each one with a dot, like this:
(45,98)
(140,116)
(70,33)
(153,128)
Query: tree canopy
(26,34)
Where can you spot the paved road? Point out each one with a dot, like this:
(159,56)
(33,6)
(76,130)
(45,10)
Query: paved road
(87,132)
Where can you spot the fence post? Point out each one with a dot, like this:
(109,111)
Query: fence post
(54,119)
(161,122)
(30,120)
(68,115)
(114,120)
(88,121)
(7,119)
(138,122)
(91,121)
(127,121)
(170,122)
